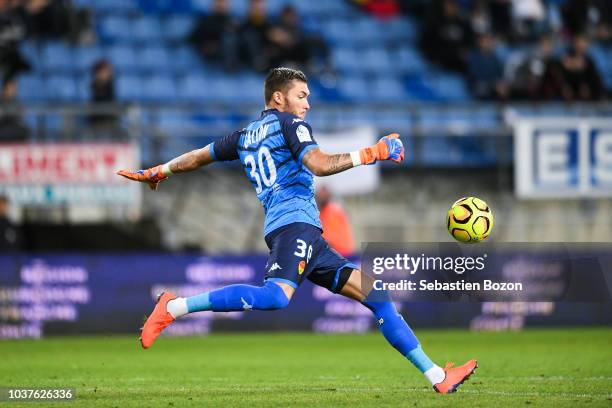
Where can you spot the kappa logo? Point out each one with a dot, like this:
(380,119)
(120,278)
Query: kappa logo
(245,305)
(381,321)
(274,267)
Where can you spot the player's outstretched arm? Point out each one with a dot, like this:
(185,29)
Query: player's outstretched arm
(186,162)
(319,163)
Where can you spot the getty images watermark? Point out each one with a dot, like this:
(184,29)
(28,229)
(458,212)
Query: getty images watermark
(489,272)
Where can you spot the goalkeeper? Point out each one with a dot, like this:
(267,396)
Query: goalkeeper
(280,156)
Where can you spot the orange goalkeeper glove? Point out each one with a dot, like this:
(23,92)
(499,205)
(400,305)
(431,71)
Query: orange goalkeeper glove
(389,147)
(152,176)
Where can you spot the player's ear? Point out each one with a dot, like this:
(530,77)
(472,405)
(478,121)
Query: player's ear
(278,97)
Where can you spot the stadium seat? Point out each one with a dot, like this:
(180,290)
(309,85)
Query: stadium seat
(374,60)
(345,60)
(193,88)
(86,57)
(407,60)
(31,88)
(123,57)
(58,57)
(177,28)
(201,6)
(130,88)
(115,6)
(115,29)
(159,89)
(387,89)
(147,29)
(184,59)
(355,88)
(61,88)
(155,58)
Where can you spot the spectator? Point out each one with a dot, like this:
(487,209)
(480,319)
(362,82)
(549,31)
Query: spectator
(534,75)
(447,35)
(102,92)
(12,127)
(529,19)
(50,19)
(579,16)
(485,70)
(500,12)
(10,234)
(336,225)
(581,79)
(480,18)
(288,45)
(254,42)
(12,32)
(215,36)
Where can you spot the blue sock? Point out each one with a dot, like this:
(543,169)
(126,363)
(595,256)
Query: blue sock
(399,334)
(235,298)
(198,303)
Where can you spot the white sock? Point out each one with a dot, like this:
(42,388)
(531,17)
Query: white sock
(177,307)
(435,375)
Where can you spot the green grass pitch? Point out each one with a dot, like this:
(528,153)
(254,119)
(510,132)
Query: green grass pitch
(560,368)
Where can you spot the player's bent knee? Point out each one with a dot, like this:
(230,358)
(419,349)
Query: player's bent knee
(274,297)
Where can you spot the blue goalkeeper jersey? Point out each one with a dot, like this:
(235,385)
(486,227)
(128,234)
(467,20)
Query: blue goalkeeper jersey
(271,149)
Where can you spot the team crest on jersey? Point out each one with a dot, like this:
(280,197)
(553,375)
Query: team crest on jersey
(303,134)
(301,267)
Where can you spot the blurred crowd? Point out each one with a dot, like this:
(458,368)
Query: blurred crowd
(259,41)
(550,39)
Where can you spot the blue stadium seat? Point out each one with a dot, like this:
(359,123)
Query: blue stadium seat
(193,88)
(147,29)
(31,88)
(86,57)
(184,59)
(448,87)
(155,58)
(408,60)
(61,88)
(130,88)
(400,29)
(31,52)
(177,28)
(115,6)
(387,89)
(123,57)
(339,32)
(201,6)
(251,88)
(58,57)
(369,29)
(83,87)
(160,89)
(354,88)
(345,59)
(115,29)
(375,59)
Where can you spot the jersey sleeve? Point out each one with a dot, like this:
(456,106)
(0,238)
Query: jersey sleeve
(225,149)
(298,135)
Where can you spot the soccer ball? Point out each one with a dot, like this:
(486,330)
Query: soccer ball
(469,220)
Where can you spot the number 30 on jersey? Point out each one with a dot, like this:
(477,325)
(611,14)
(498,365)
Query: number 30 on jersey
(257,170)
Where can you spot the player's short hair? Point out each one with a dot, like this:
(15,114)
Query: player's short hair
(279,79)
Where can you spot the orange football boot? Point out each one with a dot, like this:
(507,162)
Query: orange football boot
(157,321)
(455,376)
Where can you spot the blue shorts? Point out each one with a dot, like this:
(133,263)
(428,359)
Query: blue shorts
(298,251)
